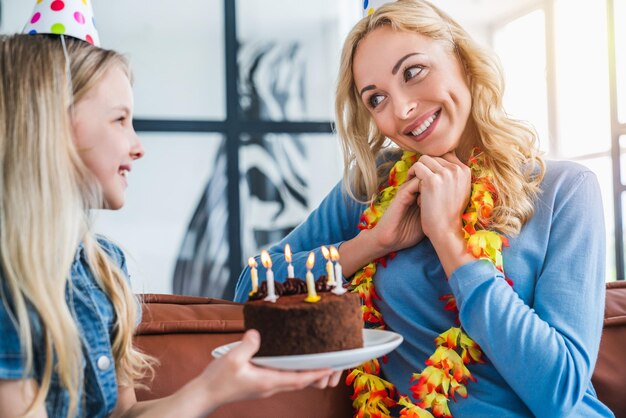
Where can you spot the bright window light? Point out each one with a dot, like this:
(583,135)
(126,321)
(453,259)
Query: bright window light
(521,46)
(619,8)
(582,77)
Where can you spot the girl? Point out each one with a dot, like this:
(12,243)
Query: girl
(457,221)
(67,313)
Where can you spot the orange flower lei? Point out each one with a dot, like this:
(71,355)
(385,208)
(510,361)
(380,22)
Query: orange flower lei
(446,374)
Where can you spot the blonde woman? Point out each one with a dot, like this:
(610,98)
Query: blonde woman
(488,260)
(67,312)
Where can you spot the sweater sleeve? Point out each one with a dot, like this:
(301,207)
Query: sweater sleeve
(332,222)
(546,352)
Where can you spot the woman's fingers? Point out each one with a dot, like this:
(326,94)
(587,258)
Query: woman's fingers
(454,163)
(410,186)
(428,166)
(434,164)
(407,193)
(423,168)
(419,171)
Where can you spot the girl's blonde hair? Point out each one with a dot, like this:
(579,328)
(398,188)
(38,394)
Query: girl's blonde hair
(46,193)
(509,145)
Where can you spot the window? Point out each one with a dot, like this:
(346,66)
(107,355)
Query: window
(558,78)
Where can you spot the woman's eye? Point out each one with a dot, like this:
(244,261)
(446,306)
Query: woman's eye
(375,100)
(412,72)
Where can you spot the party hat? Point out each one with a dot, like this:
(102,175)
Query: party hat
(370,6)
(64,17)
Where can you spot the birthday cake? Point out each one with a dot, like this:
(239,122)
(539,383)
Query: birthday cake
(291,325)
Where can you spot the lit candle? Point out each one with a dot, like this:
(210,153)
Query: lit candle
(338,289)
(329,267)
(290,274)
(266,260)
(310,280)
(253,275)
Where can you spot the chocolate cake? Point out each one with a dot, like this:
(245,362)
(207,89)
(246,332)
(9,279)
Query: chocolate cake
(292,326)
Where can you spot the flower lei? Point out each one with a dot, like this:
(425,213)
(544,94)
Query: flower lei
(446,374)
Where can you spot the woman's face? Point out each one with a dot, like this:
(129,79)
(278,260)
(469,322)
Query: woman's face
(105,137)
(414,88)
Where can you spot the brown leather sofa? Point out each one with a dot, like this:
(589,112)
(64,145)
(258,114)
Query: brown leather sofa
(609,377)
(181,331)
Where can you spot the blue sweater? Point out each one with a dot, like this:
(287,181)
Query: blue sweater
(540,337)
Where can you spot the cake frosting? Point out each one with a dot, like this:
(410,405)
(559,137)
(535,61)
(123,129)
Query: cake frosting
(293,326)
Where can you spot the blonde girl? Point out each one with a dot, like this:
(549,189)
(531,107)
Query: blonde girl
(67,312)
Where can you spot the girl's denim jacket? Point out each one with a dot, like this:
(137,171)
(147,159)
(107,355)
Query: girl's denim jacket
(94,317)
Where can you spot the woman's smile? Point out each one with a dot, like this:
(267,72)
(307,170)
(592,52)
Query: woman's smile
(423,126)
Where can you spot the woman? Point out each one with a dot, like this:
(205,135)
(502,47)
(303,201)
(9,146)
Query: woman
(469,225)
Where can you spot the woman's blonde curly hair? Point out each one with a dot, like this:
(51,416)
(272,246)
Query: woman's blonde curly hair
(509,145)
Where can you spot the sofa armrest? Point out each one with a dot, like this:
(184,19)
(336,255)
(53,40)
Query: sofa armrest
(181,332)
(609,376)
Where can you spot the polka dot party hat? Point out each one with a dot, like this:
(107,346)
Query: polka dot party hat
(64,17)
(369,6)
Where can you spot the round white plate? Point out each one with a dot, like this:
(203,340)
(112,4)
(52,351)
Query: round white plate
(375,344)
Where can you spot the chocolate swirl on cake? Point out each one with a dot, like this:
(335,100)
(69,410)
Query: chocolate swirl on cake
(291,287)
(321,285)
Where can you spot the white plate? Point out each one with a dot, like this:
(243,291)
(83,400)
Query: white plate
(375,344)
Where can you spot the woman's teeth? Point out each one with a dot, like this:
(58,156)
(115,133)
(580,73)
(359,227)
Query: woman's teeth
(425,125)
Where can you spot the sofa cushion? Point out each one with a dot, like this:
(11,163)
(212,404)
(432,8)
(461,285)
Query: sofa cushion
(609,376)
(181,332)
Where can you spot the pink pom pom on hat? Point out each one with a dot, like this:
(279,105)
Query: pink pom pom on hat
(64,17)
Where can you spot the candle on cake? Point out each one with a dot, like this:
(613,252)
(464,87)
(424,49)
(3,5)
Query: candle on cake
(338,289)
(266,260)
(253,275)
(330,274)
(310,280)
(290,274)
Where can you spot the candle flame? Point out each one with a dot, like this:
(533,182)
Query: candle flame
(334,254)
(252,262)
(266,260)
(288,253)
(310,262)
(325,252)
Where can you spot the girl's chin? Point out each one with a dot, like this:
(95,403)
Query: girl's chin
(113,204)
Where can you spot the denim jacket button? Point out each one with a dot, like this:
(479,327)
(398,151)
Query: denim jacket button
(104,362)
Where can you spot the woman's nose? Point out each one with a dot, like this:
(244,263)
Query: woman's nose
(404,106)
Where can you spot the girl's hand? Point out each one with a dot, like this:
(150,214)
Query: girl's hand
(227,379)
(400,226)
(445,184)
(233,377)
